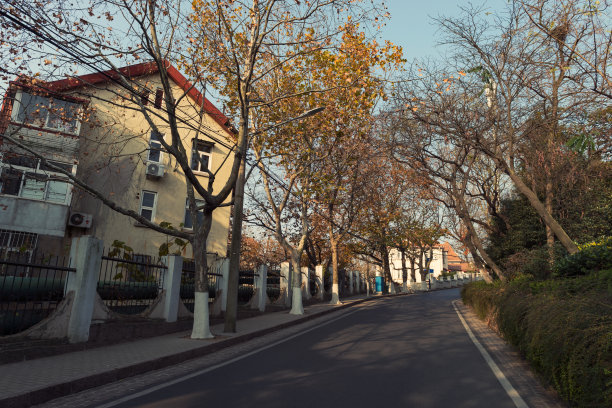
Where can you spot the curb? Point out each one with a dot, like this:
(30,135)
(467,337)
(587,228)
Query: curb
(71,387)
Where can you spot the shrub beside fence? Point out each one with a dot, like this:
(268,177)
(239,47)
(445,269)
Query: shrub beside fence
(273,284)
(563,328)
(129,283)
(187,292)
(31,286)
(245,285)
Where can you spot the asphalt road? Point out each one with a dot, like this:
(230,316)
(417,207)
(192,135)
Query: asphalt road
(408,351)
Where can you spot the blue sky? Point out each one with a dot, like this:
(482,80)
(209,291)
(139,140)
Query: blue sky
(412,28)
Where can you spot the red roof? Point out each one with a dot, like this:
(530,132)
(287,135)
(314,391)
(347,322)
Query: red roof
(451,254)
(137,70)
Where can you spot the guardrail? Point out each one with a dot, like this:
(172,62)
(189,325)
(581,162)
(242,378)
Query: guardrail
(31,286)
(273,284)
(129,283)
(187,292)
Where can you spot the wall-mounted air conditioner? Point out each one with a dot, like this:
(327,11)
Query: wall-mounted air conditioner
(80,220)
(155,169)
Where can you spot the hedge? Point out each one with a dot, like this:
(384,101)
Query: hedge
(563,328)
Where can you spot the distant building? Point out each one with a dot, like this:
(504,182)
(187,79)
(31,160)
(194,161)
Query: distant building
(438,265)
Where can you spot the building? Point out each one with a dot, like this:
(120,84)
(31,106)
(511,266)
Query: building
(438,265)
(93,128)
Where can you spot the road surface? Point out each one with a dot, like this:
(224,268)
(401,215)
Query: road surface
(409,351)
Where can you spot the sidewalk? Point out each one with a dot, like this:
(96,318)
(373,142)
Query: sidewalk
(35,381)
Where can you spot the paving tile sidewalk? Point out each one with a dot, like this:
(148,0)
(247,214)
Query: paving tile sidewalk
(34,381)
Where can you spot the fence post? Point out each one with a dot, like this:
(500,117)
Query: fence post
(86,257)
(306,291)
(172,287)
(285,272)
(319,277)
(224,282)
(260,284)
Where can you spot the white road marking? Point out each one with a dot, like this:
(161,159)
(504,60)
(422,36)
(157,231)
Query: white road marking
(212,368)
(510,390)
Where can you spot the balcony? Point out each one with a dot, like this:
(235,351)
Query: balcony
(35,216)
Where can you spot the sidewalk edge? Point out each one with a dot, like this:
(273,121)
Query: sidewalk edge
(73,386)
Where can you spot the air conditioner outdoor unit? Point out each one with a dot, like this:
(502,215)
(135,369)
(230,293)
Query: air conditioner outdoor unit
(155,169)
(80,220)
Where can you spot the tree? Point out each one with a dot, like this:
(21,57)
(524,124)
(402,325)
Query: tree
(525,79)
(244,45)
(220,44)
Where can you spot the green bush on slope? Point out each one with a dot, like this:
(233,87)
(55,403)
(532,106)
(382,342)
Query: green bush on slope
(563,328)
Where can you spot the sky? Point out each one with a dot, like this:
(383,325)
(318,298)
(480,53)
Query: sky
(412,27)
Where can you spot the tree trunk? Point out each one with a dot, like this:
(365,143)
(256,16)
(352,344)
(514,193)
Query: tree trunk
(550,236)
(335,300)
(297,307)
(421,266)
(404,271)
(201,314)
(465,217)
(548,219)
(384,252)
(476,256)
(231,312)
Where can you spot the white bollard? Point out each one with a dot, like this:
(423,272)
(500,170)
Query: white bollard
(172,287)
(306,283)
(260,286)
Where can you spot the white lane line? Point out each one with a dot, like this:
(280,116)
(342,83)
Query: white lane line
(510,390)
(211,368)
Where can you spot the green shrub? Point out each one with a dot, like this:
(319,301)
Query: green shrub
(594,256)
(563,327)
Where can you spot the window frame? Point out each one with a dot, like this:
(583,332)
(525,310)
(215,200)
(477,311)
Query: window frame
(187,213)
(196,145)
(37,170)
(17,104)
(153,142)
(142,207)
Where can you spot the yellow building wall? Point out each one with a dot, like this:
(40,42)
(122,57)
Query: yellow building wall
(113,156)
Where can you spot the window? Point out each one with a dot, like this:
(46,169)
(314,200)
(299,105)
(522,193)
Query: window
(159,97)
(21,244)
(28,178)
(148,201)
(48,113)
(200,155)
(155,147)
(188,224)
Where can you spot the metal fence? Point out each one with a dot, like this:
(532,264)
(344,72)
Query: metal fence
(273,284)
(31,286)
(188,283)
(129,283)
(246,279)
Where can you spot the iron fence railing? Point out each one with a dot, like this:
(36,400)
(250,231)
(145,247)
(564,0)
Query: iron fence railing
(188,283)
(273,284)
(31,286)
(246,279)
(129,283)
